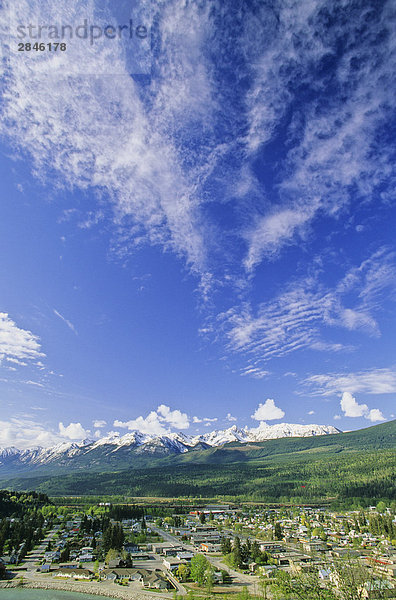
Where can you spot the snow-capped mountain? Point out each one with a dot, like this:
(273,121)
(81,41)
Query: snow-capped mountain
(136,448)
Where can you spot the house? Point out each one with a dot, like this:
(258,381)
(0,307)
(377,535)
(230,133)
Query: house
(122,573)
(86,557)
(171,563)
(314,546)
(157,581)
(378,588)
(164,547)
(187,556)
(324,574)
(74,573)
(209,547)
(271,546)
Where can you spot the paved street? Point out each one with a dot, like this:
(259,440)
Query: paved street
(37,554)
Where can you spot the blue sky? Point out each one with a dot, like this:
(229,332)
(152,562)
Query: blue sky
(214,231)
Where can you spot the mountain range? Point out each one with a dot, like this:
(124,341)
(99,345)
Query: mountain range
(356,467)
(137,449)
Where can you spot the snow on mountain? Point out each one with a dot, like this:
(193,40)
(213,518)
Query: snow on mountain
(281,430)
(134,438)
(7,452)
(221,437)
(139,443)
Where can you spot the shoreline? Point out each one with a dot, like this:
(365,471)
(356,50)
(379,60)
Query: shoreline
(124,593)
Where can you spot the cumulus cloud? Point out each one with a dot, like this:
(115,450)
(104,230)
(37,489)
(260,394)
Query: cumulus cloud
(150,424)
(351,408)
(375,415)
(157,422)
(99,423)
(73,431)
(26,433)
(268,411)
(175,418)
(16,344)
(230,418)
(311,412)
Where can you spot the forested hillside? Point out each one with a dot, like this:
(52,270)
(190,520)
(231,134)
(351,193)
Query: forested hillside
(366,476)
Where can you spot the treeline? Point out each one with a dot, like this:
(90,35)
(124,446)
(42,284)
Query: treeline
(125,511)
(18,536)
(339,478)
(237,554)
(13,504)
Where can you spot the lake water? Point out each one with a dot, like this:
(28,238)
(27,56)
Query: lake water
(26,594)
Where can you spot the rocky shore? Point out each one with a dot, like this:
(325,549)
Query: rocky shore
(95,589)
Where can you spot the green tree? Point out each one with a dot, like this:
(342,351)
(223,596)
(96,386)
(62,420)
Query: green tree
(303,586)
(278,531)
(198,567)
(112,554)
(209,579)
(183,572)
(226,547)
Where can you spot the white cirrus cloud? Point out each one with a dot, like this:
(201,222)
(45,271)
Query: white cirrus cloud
(157,422)
(268,411)
(16,344)
(303,313)
(351,408)
(331,142)
(132,145)
(68,323)
(369,381)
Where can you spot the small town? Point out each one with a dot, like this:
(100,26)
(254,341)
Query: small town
(210,550)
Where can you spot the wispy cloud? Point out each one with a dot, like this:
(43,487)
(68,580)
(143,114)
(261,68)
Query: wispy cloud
(160,155)
(338,105)
(135,148)
(16,344)
(68,323)
(370,381)
(300,316)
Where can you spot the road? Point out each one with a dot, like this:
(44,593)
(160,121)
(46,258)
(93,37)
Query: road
(37,554)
